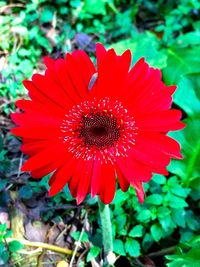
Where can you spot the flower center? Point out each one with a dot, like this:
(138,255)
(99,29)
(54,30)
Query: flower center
(99,129)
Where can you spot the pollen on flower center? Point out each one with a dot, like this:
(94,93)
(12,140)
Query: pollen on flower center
(99,128)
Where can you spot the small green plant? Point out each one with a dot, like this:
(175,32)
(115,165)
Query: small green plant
(8,248)
(186,255)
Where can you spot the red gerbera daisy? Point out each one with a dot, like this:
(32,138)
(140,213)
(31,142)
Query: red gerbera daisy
(90,125)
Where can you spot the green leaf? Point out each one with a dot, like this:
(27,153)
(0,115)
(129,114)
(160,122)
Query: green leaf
(181,61)
(195,81)
(162,212)
(8,233)
(26,192)
(188,91)
(192,221)
(15,246)
(5,256)
(190,259)
(120,224)
(195,240)
(120,197)
(188,168)
(156,232)
(166,223)
(132,247)
(159,179)
(143,45)
(3,227)
(93,253)
(195,185)
(76,236)
(189,39)
(2,247)
(176,202)
(180,191)
(136,231)
(144,216)
(119,247)
(147,242)
(46,15)
(178,216)
(95,7)
(154,199)
(121,46)
(173,185)
(186,236)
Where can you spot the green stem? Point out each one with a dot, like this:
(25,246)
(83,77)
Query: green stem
(193,161)
(106,226)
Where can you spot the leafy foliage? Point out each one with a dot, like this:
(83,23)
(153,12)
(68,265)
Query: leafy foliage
(7,249)
(189,258)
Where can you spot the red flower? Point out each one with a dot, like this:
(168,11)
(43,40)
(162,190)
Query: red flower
(92,124)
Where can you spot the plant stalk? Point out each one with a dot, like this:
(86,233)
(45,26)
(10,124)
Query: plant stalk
(106,227)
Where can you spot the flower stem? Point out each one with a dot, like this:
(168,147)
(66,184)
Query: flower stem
(106,226)
(41,245)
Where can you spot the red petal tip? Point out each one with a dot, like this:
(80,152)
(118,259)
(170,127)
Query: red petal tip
(78,201)
(51,193)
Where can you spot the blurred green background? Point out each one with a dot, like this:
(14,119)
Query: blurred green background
(165,230)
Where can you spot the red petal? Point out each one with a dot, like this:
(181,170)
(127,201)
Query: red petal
(163,143)
(145,88)
(84,183)
(108,182)
(33,120)
(61,177)
(37,132)
(162,121)
(67,84)
(80,69)
(39,173)
(39,96)
(84,66)
(32,148)
(124,184)
(49,62)
(44,157)
(100,53)
(75,179)
(112,73)
(95,180)
(147,153)
(52,90)
(32,107)
(135,174)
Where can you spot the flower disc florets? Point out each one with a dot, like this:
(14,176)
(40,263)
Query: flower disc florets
(99,129)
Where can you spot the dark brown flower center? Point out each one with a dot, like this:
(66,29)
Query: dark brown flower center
(99,129)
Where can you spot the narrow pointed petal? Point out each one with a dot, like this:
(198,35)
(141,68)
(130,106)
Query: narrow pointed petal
(108,183)
(84,183)
(43,158)
(96,176)
(61,177)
